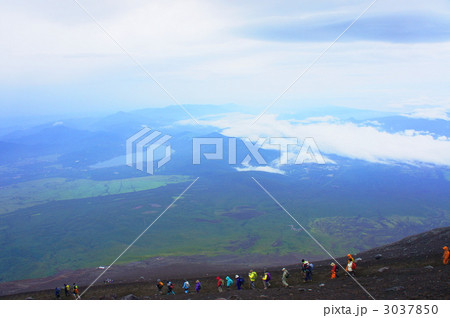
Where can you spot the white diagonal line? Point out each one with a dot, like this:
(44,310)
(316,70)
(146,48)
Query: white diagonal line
(310,235)
(312,63)
(132,243)
(135,60)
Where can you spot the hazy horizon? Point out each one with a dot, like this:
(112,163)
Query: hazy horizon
(56,60)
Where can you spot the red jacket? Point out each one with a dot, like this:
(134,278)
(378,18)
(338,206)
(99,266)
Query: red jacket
(219,281)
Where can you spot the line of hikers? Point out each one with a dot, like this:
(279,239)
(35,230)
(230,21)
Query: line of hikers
(238,281)
(221,284)
(67,291)
(306,268)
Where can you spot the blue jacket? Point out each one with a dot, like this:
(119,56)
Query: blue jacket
(229,281)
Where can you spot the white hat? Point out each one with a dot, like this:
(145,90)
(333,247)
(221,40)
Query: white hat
(236,276)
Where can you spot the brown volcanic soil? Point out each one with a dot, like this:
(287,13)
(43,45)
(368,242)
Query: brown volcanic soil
(164,268)
(406,277)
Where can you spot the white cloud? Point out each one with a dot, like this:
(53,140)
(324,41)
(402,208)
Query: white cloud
(429,113)
(152,31)
(326,118)
(199,52)
(268,169)
(344,139)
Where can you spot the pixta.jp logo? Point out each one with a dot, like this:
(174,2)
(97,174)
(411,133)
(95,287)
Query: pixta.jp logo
(142,147)
(307,151)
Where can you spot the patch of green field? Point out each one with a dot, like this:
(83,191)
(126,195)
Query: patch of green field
(31,193)
(217,216)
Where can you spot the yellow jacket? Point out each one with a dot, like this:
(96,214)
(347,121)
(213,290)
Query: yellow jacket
(253,276)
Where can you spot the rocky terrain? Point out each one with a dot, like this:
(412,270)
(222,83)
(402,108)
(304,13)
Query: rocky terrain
(408,269)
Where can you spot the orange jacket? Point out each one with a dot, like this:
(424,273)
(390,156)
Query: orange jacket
(446,255)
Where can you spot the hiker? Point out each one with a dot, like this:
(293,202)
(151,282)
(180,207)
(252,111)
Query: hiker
(186,286)
(239,282)
(266,279)
(219,284)
(198,286)
(334,270)
(284,277)
(303,266)
(308,271)
(170,288)
(159,285)
(446,255)
(57,293)
(229,282)
(67,290)
(351,265)
(75,290)
(253,276)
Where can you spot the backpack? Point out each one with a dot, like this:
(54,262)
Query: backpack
(199,286)
(287,275)
(311,266)
(308,268)
(269,277)
(353,265)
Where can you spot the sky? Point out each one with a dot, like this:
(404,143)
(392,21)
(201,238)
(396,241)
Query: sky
(54,59)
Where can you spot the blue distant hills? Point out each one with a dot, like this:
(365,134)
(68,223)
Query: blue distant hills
(70,201)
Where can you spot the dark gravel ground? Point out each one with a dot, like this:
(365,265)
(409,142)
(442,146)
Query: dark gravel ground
(413,270)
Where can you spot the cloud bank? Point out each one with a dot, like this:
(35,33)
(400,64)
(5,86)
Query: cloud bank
(345,139)
(429,113)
